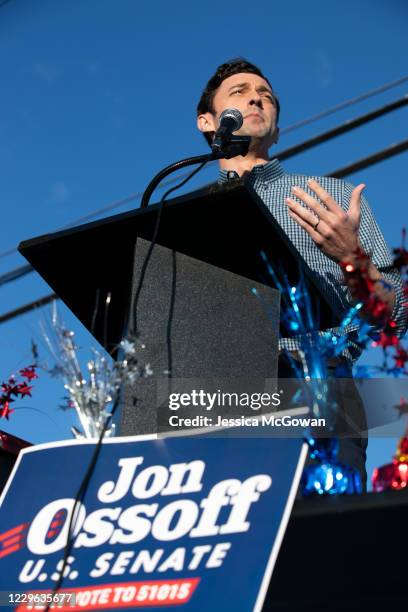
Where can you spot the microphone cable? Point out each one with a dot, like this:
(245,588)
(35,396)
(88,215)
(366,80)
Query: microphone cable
(154,240)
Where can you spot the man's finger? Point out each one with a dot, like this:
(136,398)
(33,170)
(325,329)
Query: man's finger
(318,238)
(302,211)
(324,197)
(313,204)
(354,210)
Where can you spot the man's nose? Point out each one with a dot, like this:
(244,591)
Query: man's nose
(256,100)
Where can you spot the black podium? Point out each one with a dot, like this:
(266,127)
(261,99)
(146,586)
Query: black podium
(197,314)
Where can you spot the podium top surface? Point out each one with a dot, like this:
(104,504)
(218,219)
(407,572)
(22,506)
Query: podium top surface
(227,227)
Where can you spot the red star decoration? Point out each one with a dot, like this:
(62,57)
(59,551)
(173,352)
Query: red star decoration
(29,373)
(400,357)
(402,407)
(6,410)
(18,389)
(386,339)
(5,398)
(403,446)
(363,287)
(24,389)
(6,388)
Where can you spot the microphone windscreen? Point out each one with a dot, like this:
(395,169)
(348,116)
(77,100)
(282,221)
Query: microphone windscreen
(235,115)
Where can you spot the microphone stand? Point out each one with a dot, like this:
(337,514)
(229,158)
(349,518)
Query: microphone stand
(234,146)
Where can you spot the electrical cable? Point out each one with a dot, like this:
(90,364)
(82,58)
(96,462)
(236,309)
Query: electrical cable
(394,149)
(16,274)
(12,314)
(345,104)
(343,128)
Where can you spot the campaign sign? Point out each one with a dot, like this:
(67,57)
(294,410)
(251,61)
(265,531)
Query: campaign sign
(189,522)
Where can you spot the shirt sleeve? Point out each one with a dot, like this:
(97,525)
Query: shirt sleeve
(373,243)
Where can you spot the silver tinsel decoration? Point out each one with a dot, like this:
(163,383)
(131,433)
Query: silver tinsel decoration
(95,393)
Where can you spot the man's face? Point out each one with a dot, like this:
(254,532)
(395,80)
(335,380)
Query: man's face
(251,95)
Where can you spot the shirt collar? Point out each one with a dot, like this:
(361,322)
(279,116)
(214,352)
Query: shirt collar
(270,171)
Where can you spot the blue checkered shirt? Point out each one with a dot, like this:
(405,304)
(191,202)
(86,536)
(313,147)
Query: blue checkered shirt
(273,185)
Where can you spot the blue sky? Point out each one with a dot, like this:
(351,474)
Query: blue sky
(98,95)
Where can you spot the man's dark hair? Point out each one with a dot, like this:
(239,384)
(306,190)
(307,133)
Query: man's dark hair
(234,66)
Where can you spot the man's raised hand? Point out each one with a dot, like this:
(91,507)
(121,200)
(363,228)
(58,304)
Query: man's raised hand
(332,229)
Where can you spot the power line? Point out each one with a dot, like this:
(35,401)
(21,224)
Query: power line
(386,153)
(15,274)
(12,314)
(136,196)
(390,151)
(347,126)
(345,104)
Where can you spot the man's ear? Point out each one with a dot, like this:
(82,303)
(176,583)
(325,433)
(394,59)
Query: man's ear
(205,123)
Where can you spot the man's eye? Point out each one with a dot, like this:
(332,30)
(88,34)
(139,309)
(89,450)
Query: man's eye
(237,91)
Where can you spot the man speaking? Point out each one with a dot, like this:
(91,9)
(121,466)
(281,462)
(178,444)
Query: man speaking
(326,219)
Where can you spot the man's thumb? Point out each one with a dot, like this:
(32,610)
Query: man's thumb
(355,203)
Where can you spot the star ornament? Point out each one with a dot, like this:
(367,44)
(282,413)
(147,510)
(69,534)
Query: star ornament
(400,357)
(9,389)
(386,339)
(5,411)
(12,389)
(128,347)
(402,407)
(24,389)
(29,373)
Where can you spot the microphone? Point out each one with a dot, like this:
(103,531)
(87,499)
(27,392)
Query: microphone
(230,121)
